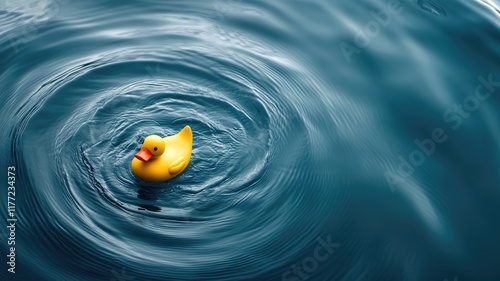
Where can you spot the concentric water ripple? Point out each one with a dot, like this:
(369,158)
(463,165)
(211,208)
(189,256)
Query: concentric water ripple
(225,216)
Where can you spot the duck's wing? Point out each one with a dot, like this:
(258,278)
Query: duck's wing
(177,166)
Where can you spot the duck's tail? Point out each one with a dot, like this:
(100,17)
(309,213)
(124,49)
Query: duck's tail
(186,134)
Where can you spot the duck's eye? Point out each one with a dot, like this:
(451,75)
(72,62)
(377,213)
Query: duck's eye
(156,148)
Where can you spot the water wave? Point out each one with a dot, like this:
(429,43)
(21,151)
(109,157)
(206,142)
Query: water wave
(291,142)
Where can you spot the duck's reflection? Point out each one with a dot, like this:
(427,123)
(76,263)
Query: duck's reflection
(151,208)
(148,192)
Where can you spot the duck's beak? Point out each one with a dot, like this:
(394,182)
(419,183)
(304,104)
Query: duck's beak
(144,155)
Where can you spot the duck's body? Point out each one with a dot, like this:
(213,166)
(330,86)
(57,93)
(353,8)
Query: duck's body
(161,159)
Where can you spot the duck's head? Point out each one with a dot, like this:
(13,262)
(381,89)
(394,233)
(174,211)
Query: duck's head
(152,147)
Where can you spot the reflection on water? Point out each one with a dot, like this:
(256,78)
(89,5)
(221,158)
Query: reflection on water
(292,141)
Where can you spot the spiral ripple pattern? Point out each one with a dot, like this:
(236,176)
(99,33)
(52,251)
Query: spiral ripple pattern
(287,156)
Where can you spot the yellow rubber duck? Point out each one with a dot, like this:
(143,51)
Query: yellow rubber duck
(161,159)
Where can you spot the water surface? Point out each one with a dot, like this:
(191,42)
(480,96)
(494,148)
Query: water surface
(333,140)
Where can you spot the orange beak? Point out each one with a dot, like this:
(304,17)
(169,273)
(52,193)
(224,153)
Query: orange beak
(144,155)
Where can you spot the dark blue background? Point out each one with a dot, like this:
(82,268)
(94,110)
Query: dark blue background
(333,140)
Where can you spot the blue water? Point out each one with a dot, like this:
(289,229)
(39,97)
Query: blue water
(333,140)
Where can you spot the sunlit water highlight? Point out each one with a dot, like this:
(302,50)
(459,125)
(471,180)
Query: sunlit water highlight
(303,163)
